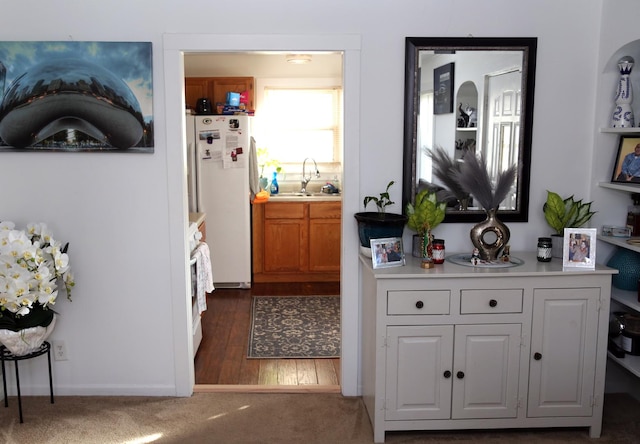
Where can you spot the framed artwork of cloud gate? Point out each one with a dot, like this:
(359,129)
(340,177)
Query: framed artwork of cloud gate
(76,96)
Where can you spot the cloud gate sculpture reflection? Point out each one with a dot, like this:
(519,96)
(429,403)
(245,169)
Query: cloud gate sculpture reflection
(58,95)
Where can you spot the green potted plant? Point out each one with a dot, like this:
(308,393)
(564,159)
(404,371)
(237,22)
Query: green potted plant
(423,216)
(564,213)
(380,223)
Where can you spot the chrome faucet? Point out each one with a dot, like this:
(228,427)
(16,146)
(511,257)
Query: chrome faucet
(305,179)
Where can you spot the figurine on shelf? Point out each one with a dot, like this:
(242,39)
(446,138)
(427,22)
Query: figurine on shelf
(505,254)
(475,256)
(623,113)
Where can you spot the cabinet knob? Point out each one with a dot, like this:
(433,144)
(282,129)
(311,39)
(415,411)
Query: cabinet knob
(493,303)
(460,375)
(537,356)
(447,374)
(419,304)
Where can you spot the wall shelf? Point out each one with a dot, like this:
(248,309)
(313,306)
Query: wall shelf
(620,130)
(629,362)
(620,186)
(619,242)
(628,299)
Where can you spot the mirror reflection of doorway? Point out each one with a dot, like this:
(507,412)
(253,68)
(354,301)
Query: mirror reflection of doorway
(503,101)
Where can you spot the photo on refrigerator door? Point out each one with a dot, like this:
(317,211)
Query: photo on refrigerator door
(76,96)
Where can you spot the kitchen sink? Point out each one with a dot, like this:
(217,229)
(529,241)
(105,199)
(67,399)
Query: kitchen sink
(294,195)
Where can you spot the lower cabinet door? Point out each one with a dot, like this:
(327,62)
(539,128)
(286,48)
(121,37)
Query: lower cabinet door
(486,371)
(418,376)
(563,352)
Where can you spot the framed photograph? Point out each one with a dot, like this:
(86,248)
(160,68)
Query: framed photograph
(627,166)
(579,248)
(71,96)
(443,89)
(387,252)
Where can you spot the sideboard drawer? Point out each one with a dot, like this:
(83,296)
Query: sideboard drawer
(507,300)
(416,302)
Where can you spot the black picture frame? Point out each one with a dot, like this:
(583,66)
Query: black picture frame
(626,147)
(444,78)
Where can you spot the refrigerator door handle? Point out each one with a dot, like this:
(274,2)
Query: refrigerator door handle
(198,181)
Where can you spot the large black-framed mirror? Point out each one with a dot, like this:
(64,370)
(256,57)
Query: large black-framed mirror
(469,95)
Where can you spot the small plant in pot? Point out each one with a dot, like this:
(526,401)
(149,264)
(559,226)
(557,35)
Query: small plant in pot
(423,216)
(564,213)
(379,224)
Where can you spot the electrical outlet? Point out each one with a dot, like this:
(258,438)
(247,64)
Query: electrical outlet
(60,351)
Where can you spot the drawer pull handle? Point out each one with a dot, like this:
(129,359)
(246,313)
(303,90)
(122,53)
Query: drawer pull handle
(447,374)
(493,303)
(460,375)
(537,356)
(419,304)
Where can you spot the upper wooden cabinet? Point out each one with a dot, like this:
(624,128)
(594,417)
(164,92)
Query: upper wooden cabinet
(216,89)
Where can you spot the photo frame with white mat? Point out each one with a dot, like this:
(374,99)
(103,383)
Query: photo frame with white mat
(387,252)
(579,248)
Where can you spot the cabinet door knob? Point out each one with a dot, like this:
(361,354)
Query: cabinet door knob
(493,303)
(460,375)
(447,374)
(537,356)
(419,304)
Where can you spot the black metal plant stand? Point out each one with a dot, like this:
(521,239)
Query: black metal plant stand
(6,355)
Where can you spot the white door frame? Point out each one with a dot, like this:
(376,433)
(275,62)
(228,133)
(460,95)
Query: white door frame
(175,46)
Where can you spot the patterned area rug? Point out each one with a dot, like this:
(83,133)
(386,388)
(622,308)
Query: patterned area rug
(295,327)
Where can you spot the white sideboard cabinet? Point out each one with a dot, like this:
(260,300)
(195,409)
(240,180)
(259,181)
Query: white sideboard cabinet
(457,347)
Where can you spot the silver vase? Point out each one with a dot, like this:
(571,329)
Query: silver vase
(490,236)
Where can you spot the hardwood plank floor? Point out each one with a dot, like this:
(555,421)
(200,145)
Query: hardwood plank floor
(222,356)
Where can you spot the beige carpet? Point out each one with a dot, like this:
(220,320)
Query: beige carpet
(229,418)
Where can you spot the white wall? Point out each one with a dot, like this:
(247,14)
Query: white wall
(119,211)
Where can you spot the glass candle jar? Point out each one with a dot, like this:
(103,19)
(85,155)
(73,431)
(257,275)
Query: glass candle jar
(438,251)
(544,249)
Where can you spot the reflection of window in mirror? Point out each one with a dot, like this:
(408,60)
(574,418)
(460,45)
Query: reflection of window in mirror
(425,135)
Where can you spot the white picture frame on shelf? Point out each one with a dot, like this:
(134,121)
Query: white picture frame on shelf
(387,252)
(579,248)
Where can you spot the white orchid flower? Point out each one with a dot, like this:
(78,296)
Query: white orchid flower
(42,273)
(61,261)
(31,267)
(7,225)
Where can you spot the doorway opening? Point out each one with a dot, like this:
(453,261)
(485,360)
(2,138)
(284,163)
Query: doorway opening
(221,362)
(175,47)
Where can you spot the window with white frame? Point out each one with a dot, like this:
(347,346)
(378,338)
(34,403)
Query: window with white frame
(297,123)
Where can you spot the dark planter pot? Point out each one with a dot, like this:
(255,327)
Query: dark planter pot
(557,241)
(373,225)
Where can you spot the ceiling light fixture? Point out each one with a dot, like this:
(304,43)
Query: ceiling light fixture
(298,59)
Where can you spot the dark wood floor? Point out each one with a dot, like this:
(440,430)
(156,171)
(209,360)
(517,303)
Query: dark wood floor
(222,356)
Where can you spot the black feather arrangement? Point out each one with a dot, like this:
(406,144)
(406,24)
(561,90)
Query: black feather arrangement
(445,169)
(473,177)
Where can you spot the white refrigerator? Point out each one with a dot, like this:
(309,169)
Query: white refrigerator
(219,150)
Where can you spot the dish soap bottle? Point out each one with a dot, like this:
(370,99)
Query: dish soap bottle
(274,184)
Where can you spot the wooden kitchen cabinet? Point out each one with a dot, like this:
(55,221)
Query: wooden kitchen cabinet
(324,236)
(216,89)
(285,237)
(451,348)
(296,241)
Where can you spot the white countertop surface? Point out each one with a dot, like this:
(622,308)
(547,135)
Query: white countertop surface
(530,267)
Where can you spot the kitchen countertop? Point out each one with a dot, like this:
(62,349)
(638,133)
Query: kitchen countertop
(315,197)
